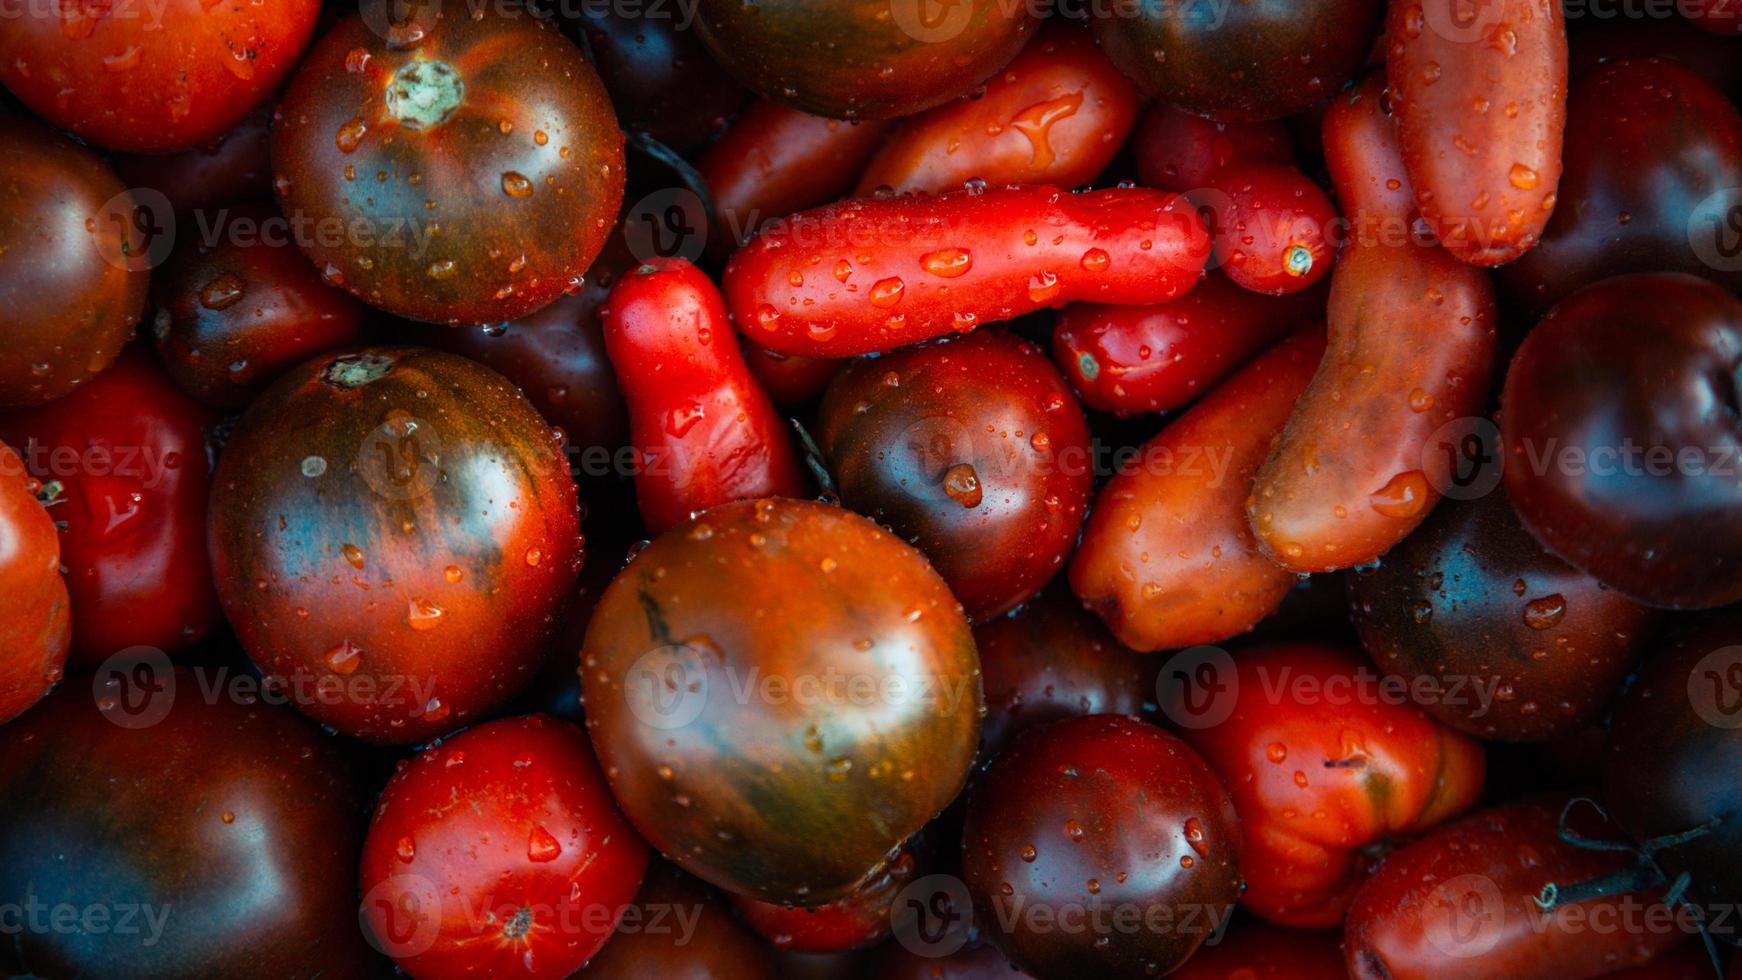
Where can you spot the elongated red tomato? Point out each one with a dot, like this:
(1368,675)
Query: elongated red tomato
(1480,92)
(1366,165)
(872,275)
(1273,227)
(706,433)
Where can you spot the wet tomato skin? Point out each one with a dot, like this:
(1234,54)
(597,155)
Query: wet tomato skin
(1646,361)
(971,449)
(1260,951)
(1167,558)
(1181,152)
(791,382)
(661,80)
(38,626)
(69,295)
(780,592)
(1273,228)
(955,261)
(132,507)
(706,433)
(155,82)
(233,316)
(528,878)
(854,921)
(479,154)
(1366,164)
(1055,115)
(401,523)
(651,940)
(232,168)
(1101,810)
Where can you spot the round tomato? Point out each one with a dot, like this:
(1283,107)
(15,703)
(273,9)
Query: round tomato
(857,919)
(37,625)
(235,169)
(1272,231)
(680,929)
(662,81)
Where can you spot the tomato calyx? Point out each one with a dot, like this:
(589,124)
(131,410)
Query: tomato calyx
(423,94)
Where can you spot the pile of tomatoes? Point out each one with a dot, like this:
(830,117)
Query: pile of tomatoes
(871,488)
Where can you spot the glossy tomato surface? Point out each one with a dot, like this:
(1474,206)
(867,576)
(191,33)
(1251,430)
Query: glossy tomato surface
(680,929)
(232,168)
(34,637)
(1178,151)
(661,80)
(855,920)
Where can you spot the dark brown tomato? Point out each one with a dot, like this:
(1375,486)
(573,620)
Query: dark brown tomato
(661,80)
(680,929)
(237,309)
(1088,816)
(1653,160)
(975,451)
(72,279)
(235,168)
(790,381)
(864,59)
(1243,61)
(464,169)
(1053,659)
(781,693)
(397,525)
(1513,643)
(231,828)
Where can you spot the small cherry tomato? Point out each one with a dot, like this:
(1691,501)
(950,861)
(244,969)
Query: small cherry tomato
(1273,227)
(37,626)
(1180,152)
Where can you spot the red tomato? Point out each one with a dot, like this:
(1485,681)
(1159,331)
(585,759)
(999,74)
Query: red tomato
(791,381)
(499,853)
(1366,165)
(1177,151)
(36,625)
(873,275)
(859,919)
(123,461)
(1323,763)
(705,432)
(1055,115)
(1273,227)
(1257,951)
(150,77)
(233,168)
(680,929)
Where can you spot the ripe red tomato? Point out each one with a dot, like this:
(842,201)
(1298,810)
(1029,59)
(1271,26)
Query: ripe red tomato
(1273,229)
(1180,152)
(123,462)
(150,78)
(527,877)
(680,929)
(1366,164)
(37,627)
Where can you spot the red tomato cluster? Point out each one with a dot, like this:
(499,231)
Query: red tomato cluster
(871,489)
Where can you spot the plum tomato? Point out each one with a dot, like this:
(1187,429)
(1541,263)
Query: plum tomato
(1359,137)
(528,878)
(1259,951)
(661,80)
(1055,115)
(449,168)
(1653,160)
(1462,901)
(855,920)
(952,262)
(1471,602)
(781,693)
(1181,152)
(1053,660)
(1243,61)
(1324,763)
(1619,422)
(150,81)
(37,625)
(1273,227)
(1167,558)
(1093,821)
(226,831)
(397,528)
(680,929)
(1134,359)
(124,468)
(232,168)
(1480,96)
(863,59)
(72,281)
(973,450)
(238,308)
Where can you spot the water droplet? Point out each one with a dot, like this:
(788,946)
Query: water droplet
(516,184)
(223,292)
(350,135)
(947,263)
(1546,612)
(422,615)
(345,658)
(353,555)
(962,484)
(887,292)
(541,846)
(1402,498)
(1524,178)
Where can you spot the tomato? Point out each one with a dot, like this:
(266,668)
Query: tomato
(1615,428)
(528,878)
(240,306)
(1411,349)
(856,920)
(219,837)
(1244,61)
(1131,359)
(1055,115)
(680,929)
(1324,763)
(123,465)
(150,81)
(971,449)
(864,59)
(1714,16)
(1462,902)
(1472,602)
(232,168)
(72,285)
(706,434)
(1272,228)
(872,275)
(980,961)
(1366,164)
(1689,961)
(661,80)
(1092,821)
(450,168)
(1480,98)
(1181,152)
(1053,660)
(790,381)
(1673,38)
(1167,558)
(1256,951)
(1654,155)
(37,624)
(781,693)
(393,534)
